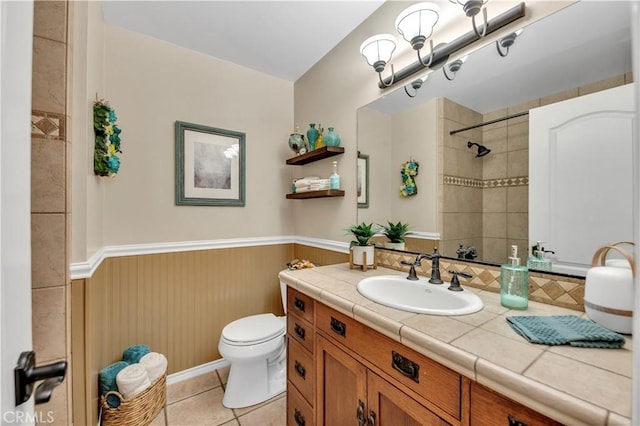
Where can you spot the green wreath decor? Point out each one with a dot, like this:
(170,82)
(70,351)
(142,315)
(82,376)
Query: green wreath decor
(105,160)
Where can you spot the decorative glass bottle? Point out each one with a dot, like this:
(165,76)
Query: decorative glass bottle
(514,283)
(312,136)
(331,138)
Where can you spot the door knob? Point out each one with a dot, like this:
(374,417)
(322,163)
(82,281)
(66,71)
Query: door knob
(26,374)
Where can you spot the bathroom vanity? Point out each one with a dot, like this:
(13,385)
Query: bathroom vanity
(353,361)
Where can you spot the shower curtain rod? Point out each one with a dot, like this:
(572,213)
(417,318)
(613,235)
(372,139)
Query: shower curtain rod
(520,114)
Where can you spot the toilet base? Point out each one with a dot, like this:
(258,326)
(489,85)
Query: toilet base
(251,383)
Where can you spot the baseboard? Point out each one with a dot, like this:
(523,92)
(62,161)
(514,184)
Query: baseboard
(197,371)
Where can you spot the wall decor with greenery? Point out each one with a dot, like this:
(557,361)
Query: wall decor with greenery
(107,144)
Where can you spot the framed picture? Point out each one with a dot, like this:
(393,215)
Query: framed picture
(363,181)
(210,166)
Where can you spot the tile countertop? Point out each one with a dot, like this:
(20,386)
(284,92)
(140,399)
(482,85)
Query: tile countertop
(572,385)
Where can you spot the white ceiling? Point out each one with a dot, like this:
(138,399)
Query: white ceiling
(584,42)
(280,38)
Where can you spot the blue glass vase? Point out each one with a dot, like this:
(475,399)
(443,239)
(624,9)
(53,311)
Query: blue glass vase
(331,138)
(312,136)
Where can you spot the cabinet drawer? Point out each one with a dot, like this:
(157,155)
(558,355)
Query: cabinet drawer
(300,304)
(301,331)
(301,370)
(489,407)
(299,412)
(411,370)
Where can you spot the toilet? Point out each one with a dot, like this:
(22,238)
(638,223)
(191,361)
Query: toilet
(255,346)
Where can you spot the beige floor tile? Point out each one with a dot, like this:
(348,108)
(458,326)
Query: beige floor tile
(160,419)
(272,414)
(191,387)
(242,411)
(202,410)
(223,375)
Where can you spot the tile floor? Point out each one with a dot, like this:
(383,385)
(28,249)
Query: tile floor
(198,402)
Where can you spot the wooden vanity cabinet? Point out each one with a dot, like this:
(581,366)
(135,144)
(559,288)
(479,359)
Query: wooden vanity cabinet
(491,408)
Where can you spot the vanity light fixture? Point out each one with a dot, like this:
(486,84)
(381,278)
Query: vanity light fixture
(454,67)
(416,23)
(471,8)
(416,84)
(482,150)
(506,42)
(378,50)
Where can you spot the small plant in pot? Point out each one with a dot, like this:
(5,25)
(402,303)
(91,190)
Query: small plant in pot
(361,245)
(395,232)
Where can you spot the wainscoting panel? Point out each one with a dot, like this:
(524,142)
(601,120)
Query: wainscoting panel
(319,256)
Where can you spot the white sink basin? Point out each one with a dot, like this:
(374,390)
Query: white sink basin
(420,296)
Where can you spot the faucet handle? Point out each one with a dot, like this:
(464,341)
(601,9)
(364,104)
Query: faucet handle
(455,283)
(412,270)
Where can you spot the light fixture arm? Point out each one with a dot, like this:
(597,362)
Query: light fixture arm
(442,52)
(430,61)
(393,75)
(415,92)
(484,28)
(444,71)
(500,51)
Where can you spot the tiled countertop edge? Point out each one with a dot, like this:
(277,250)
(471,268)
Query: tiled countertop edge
(538,396)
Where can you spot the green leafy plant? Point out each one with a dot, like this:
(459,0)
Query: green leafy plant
(395,232)
(362,233)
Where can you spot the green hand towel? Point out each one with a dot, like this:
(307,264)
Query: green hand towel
(565,330)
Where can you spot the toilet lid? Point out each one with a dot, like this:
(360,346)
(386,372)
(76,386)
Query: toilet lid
(253,329)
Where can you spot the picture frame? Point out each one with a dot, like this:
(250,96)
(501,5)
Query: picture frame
(210,166)
(363,181)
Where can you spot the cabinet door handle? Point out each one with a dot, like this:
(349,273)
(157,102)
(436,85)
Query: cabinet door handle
(299,369)
(405,366)
(372,419)
(299,304)
(360,414)
(299,418)
(514,421)
(338,327)
(299,331)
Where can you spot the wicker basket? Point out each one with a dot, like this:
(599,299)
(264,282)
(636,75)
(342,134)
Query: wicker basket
(137,411)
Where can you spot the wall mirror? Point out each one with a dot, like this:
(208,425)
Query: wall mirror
(562,56)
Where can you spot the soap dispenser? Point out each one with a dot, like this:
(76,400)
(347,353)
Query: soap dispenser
(537,259)
(514,283)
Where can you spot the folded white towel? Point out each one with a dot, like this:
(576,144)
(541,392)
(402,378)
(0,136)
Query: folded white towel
(156,365)
(132,380)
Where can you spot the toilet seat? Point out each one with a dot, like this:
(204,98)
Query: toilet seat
(253,330)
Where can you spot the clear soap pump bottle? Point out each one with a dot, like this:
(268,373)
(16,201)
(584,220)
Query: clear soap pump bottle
(334,179)
(514,283)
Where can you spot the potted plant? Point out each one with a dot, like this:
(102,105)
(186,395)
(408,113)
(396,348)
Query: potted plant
(395,232)
(361,245)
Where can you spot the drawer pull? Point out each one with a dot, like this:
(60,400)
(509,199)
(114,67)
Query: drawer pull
(299,418)
(405,366)
(372,419)
(299,304)
(300,369)
(515,422)
(299,331)
(360,414)
(338,327)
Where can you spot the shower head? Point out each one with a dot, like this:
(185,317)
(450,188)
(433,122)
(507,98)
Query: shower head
(482,150)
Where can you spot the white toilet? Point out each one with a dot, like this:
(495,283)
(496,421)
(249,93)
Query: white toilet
(255,346)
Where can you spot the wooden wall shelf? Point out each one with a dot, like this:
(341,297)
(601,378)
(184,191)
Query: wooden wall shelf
(315,155)
(317,194)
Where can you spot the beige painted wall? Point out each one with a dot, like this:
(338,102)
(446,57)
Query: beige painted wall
(332,91)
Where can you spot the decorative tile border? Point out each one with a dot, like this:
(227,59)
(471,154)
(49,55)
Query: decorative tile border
(551,289)
(48,125)
(489,183)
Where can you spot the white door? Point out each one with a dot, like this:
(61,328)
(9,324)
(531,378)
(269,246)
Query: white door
(581,175)
(16,33)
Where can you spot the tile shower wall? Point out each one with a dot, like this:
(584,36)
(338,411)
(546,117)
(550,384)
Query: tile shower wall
(485,201)
(50,195)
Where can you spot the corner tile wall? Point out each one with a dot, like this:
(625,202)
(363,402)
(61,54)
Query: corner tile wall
(50,196)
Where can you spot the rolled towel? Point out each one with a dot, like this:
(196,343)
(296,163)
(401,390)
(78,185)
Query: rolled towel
(108,382)
(156,365)
(132,380)
(133,354)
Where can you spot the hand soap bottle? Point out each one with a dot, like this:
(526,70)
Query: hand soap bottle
(514,283)
(537,259)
